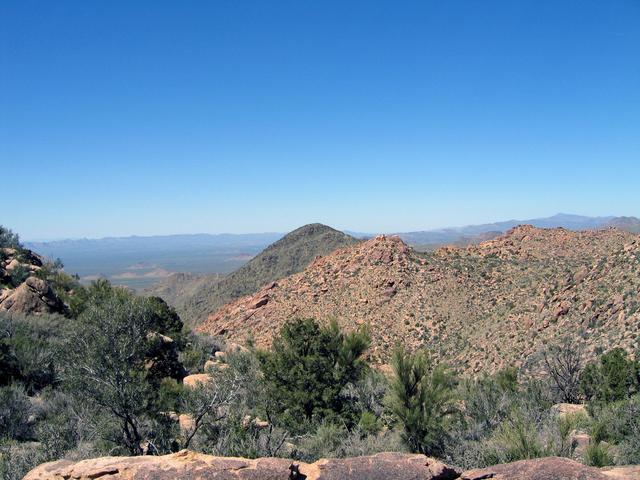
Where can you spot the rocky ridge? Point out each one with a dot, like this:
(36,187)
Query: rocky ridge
(195,297)
(481,307)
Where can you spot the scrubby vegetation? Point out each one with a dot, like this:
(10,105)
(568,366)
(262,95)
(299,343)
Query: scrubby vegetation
(108,380)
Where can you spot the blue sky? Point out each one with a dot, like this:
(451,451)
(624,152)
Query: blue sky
(162,117)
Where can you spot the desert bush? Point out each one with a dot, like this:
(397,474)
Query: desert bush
(336,441)
(111,359)
(598,454)
(326,441)
(8,239)
(367,397)
(487,403)
(564,362)
(16,459)
(421,396)
(613,376)
(197,350)
(28,350)
(15,409)
(19,274)
(307,369)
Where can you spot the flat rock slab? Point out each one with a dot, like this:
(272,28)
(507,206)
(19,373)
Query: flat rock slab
(190,465)
(550,468)
(631,472)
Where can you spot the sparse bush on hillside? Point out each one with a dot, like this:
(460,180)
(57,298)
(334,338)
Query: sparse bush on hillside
(564,362)
(16,459)
(598,454)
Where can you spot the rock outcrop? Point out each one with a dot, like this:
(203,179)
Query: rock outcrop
(21,291)
(551,468)
(383,466)
(481,308)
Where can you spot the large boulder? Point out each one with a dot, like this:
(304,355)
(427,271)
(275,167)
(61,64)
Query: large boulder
(197,379)
(185,464)
(550,468)
(32,297)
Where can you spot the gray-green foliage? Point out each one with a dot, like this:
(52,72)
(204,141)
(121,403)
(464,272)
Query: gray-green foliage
(227,412)
(112,358)
(8,239)
(15,409)
(16,459)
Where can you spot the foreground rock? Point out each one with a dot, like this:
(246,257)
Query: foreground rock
(382,466)
(631,472)
(185,464)
(551,468)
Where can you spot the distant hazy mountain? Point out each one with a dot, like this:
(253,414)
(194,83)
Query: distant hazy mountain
(196,297)
(158,242)
(139,262)
(478,233)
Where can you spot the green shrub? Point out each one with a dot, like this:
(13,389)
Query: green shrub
(422,399)
(610,378)
(517,439)
(597,455)
(197,350)
(307,369)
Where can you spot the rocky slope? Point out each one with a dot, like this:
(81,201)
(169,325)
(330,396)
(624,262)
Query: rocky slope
(196,297)
(21,291)
(383,466)
(480,308)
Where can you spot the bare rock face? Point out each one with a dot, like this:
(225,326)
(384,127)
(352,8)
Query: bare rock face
(631,472)
(551,468)
(185,464)
(33,296)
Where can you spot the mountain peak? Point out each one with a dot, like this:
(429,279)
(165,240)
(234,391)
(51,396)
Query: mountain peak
(480,308)
(288,255)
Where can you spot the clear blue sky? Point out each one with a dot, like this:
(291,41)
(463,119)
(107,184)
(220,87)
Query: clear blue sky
(158,117)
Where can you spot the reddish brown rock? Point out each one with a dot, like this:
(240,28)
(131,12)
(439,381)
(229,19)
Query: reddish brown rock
(191,381)
(622,473)
(185,464)
(551,468)
(32,297)
(514,292)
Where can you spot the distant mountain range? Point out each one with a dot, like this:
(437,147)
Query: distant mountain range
(477,233)
(139,262)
